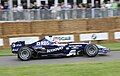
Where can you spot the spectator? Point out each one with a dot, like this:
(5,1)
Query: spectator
(103,5)
(114,5)
(66,10)
(75,6)
(89,5)
(97,5)
(97,10)
(25,6)
(35,6)
(88,11)
(6,6)
(74,12)
(31,6)
(20,8)
(103,9)
(44,11)
(81,5)
(1,7)
(14,8)
(52,8)
(20,12)
(108,5)
(65,7)
(119,8)
(119,5)
(55,11)
(46,6)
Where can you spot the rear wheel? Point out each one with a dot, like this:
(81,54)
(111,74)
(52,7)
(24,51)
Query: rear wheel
(25,53)
(91,50)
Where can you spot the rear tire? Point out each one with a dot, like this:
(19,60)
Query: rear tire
(91,50)
(25,53)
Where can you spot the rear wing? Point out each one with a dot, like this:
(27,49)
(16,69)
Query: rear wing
(16,45)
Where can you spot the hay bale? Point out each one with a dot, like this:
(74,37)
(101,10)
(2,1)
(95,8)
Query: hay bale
(44,26)
(16,28)
(1,29)
(73,25)
(101,24)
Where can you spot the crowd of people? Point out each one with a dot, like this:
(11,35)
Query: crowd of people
(45,11)
(34,5)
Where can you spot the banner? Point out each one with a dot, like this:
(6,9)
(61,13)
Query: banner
(61,38)
(94,36)
(1,42)
(117,35)
(28,40)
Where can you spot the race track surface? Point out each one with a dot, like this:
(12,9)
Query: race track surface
(13,61)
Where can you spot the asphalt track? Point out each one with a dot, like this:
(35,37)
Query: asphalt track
(13,61)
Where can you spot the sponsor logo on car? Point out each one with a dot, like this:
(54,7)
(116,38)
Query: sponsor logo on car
(55,49)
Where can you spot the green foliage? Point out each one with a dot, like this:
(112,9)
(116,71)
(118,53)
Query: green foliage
(73,69)
(112,46)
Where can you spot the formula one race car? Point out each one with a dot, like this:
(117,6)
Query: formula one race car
(45,47)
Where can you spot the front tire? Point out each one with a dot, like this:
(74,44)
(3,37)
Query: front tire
(91,50)
(25,53)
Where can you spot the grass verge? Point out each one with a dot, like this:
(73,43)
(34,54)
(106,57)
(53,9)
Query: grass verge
(112,46)
(74,69)
(5,52)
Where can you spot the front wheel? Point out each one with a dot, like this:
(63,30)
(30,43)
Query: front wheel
(25,53)
(91,50)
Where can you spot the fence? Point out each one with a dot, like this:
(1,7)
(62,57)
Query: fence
(42,14)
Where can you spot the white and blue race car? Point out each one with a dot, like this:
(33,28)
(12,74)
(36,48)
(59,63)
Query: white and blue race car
(45,47)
